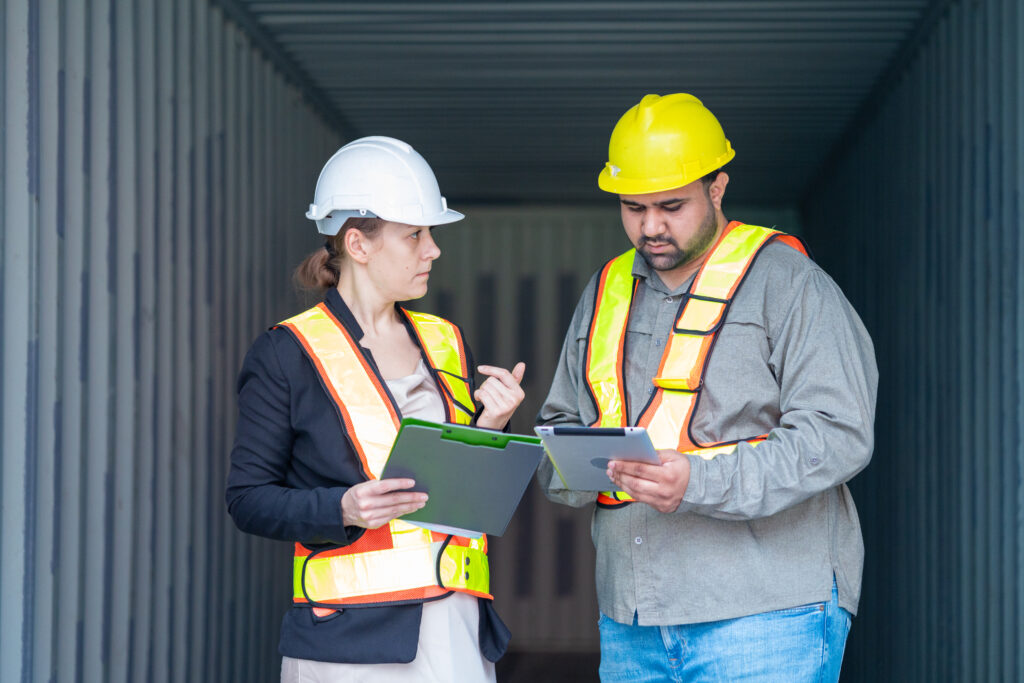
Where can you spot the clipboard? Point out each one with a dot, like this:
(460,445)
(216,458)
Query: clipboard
(580,455)
(475,477)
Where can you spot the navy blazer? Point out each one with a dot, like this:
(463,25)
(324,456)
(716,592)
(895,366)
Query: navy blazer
(290,466)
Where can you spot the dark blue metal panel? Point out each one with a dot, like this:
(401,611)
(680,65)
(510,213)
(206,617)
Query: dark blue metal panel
(917,217)
(148,235)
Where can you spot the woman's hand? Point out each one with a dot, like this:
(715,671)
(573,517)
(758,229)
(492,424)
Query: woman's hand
(500,394)
(374,503)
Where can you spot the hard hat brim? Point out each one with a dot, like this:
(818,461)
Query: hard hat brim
(446,216)
(338,217)
(620,185)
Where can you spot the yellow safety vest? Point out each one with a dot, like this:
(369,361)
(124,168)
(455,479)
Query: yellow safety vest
(398,562)
(668,415)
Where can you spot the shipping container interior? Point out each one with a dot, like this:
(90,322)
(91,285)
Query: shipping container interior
(157,162)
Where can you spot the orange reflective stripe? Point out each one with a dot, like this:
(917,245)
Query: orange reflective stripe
(709,452)
(400,561)
(726,266)
(371,422)
(678,381)
(665,423)
(409,571)
(613,499)
(794,242)
(686,354)
(607,338)
(682,364)
(701,315)
(443,345)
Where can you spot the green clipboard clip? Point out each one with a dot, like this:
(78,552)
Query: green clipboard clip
(475,477)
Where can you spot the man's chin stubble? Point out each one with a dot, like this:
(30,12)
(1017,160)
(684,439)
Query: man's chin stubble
(655,262)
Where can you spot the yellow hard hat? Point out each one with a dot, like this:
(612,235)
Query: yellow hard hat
(663,143)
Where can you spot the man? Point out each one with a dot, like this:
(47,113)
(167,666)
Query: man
(740,556)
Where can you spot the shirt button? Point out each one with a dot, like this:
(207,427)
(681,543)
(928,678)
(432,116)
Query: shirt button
(650,390)
(638,540)
(657,342)
(814,461)
(668,299)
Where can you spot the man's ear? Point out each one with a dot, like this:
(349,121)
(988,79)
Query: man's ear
(717,189)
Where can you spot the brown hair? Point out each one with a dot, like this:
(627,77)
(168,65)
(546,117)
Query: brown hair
(320,270)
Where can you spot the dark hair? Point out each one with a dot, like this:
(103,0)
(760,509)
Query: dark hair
(706,180)
(321,269)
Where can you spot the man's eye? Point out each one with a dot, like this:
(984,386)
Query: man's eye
(672,209)
(635,209)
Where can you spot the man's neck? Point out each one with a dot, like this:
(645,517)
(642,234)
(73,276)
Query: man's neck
(673,279)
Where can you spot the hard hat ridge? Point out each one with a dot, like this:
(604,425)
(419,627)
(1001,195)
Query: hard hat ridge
(662,143)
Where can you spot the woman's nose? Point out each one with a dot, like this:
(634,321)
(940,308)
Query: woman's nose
(430,249)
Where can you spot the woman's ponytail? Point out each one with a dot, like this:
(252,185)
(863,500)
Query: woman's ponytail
(320,270)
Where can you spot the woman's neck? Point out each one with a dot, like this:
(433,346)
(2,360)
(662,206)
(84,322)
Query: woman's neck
(374,313)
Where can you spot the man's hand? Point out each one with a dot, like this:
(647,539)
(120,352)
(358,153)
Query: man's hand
(374,503)
(660,486)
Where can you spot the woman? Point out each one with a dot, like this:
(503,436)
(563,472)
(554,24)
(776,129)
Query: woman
(320,397)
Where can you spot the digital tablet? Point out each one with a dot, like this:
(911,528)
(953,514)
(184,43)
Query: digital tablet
(580,455)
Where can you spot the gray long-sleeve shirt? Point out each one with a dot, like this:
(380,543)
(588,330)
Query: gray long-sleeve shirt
(761,528)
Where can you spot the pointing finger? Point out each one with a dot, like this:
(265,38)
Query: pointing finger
(501,375)
(518,371)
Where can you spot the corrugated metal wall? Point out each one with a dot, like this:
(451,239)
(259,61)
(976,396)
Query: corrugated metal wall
(155,169)
(154,172)
(919,219)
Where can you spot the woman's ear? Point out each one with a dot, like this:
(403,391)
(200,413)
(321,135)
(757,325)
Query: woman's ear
(356,245)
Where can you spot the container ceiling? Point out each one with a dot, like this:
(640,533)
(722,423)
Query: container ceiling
(514,101)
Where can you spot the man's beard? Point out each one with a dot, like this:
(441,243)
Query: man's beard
(693,250)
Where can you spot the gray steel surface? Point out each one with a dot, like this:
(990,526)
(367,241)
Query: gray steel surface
(515,100)
(155,171)
(919,220)
(156,161)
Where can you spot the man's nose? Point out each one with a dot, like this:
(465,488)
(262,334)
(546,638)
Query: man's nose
(652,224)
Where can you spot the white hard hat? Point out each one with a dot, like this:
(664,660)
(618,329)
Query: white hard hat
(382,177)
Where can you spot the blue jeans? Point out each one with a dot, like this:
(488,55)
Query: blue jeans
(799,645)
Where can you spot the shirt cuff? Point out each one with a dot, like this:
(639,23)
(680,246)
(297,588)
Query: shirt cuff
(696,489)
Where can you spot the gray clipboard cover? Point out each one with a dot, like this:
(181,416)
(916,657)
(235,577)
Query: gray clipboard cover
(475,477)
(580,455)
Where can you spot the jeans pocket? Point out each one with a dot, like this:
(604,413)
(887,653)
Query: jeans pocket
(799,610)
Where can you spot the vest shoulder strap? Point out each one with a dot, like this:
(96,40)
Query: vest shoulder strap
(443,343)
